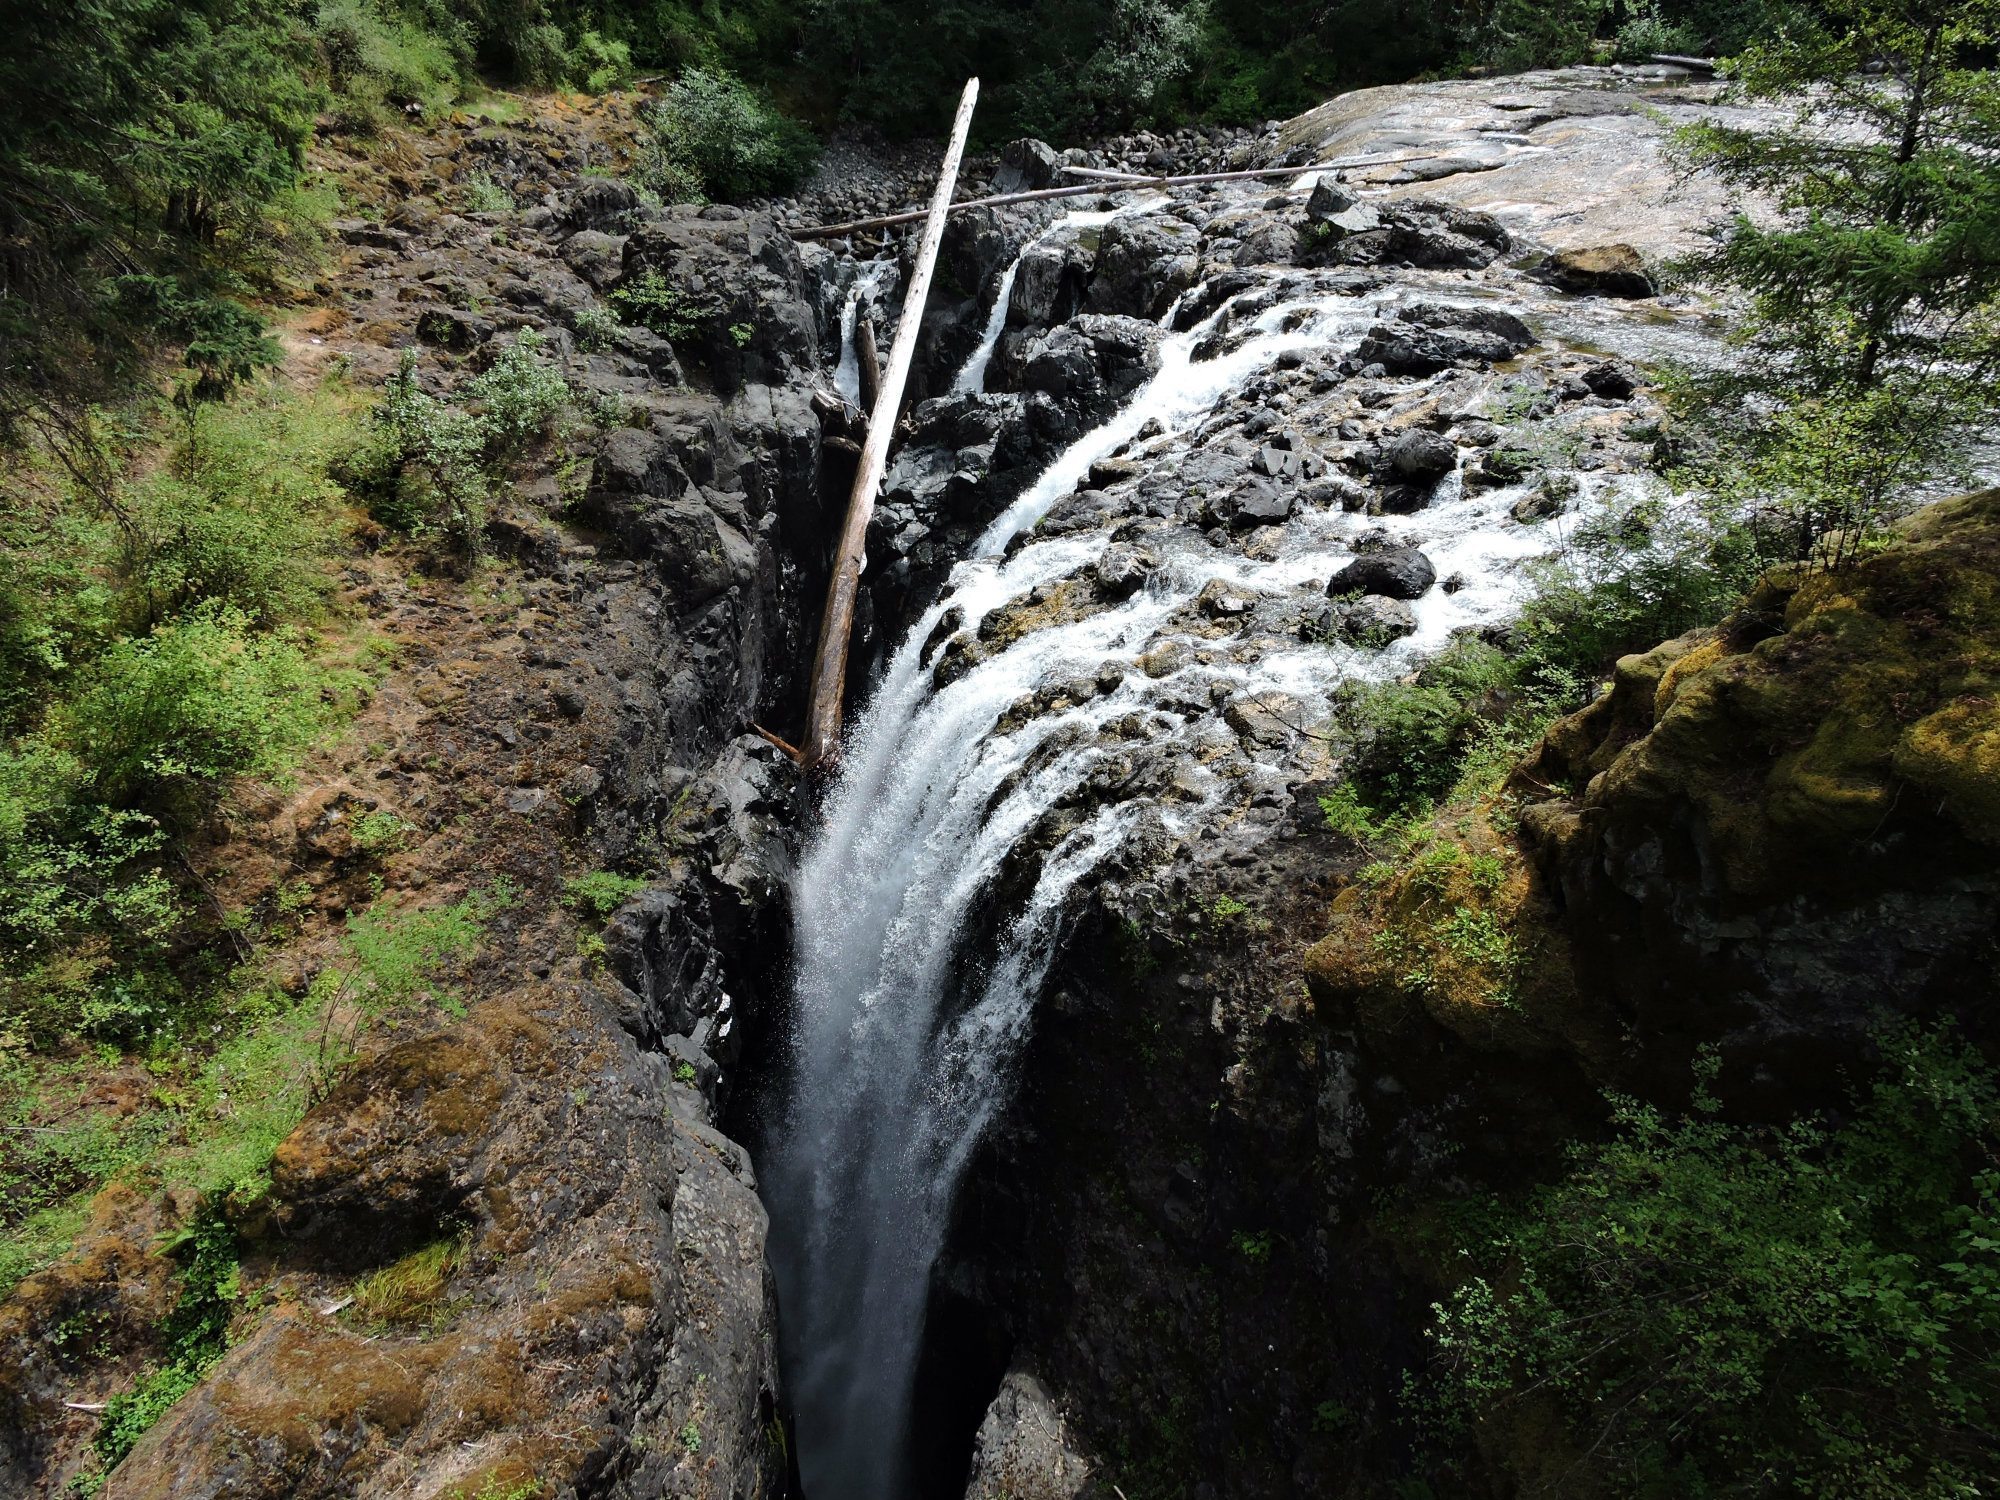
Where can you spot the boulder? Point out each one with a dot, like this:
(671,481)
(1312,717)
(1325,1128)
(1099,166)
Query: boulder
(1615,270)
(1373,621)
(1394,573)
(1328,201)
(1027,165)
(1024,1450)
(1421,456)
(1142,264)
(1123,570)
(1093,362)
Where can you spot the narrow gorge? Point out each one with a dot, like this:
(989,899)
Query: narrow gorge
(1073,1095)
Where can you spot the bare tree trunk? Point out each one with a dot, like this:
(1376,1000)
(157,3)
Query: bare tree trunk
(821,750)
(1116,182)
(868,358)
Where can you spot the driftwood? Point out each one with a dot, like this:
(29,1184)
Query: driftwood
(867,358)
(1693,64)
(1118,181)
(820,750)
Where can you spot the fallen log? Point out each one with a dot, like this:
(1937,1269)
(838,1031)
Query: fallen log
(867,359)
(1117,183)
(820,750)
(1693,64)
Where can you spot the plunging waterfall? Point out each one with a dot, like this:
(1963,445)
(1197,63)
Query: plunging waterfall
(904,1035)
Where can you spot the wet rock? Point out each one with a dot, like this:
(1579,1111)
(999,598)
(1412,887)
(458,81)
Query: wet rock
(1329,199)
(1142,264)
(1122,570)
(1373,621)
(1421,456)
(1550,498)
(1166,659)
(1614,382)
(1223,601)
(1394,573)
(1051,283)
(1258,503)
(1093,362)
(1024,1450)
(1615,270)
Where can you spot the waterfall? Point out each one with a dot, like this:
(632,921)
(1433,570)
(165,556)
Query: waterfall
(847,373)
(972,377)
(904,1038)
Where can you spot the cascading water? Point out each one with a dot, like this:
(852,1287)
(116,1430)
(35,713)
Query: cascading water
(871,281)
(903,1039)
(972,378)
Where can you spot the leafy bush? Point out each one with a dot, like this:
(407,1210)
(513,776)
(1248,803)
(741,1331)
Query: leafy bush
(241,514)
(196,1333)
(601,892)
(595,327)
(1710,1308)
(712,136)
(518,396)
(163,720)
(651,301)
(372,58)
(435,467)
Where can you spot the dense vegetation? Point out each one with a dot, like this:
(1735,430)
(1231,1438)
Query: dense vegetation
(1701,1307)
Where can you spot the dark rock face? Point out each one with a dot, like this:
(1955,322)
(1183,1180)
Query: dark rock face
(1408,232)
(1142,264)
(1421,456)
(1025,166)
(743,290)
(1395,573)
(1092,363)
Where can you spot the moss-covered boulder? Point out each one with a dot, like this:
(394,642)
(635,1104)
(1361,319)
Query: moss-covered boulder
(1768,833)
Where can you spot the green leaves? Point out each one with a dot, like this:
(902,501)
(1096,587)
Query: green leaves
(1799,1311)
(1867,358)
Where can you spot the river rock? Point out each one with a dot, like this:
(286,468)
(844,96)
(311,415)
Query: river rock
(1123,569)
(1373,621)
(1329,200)
(1421,456)
(1396,573)
(1093,362)
(1142,264)
(1027,165)
(1615,270)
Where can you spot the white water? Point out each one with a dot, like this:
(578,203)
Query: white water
(847,373)
(972,378)
(905,1039)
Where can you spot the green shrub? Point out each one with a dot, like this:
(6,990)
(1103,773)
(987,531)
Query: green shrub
(1711,1308)
(712,136)
(163,720)
(196,1333)
(436,454)
(371,58)
(651,301)
(435,467)
(595,327)
(482,195)
(243,512)
(518,396)
(601,892)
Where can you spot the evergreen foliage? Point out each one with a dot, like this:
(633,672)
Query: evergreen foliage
(1866,365)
